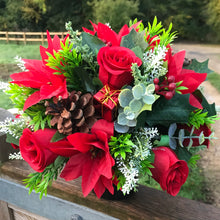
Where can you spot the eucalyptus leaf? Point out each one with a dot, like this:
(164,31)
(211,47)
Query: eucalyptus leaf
(122,120)
(172,143)
(135,105)
(138,91)
(121,128)
(125,97)
(172,130)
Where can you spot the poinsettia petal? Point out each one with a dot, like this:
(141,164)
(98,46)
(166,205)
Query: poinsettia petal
(82,141)
(175,63)
(32,100)
(103,125)
(195,102)
(105,33)
(191,80)
(74,167)
(62,148)
(90,175)
(101,186)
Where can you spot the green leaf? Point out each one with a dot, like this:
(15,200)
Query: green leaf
(183,154)
(86,80)
(134,39)
(11,139)
(199,67)
(93,42)
(166,112)
(57,137)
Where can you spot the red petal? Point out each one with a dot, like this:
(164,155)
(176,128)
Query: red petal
(175,63)
(103,125)
(32,100)
(107,34)
(74,167)
(82,141)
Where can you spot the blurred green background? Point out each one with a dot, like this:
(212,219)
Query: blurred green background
(195,20)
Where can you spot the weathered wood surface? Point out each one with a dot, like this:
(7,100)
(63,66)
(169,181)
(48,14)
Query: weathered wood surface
(146,204)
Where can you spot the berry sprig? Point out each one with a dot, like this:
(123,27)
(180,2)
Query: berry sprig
(166,88)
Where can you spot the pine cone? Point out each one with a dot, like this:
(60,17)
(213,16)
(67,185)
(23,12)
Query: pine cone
(74,114)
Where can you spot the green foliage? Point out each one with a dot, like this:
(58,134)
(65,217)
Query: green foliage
(212,10)
(65,61)
(121,145)
(120,178)
(115,12)
(19,94)
(198,118)
(199,67)
(167,112)
(38,118)
(40,181)
(146,165)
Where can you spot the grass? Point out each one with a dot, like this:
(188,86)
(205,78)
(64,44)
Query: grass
(214,79)
(10,51)
(5,101)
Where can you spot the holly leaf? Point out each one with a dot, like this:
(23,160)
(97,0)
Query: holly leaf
(166,112)
(92,41)
(210,108)
(199,67)
(134,39)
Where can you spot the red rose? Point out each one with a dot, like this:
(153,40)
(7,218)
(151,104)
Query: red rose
(203,128)
(170,172)
(115,66)
(34,147)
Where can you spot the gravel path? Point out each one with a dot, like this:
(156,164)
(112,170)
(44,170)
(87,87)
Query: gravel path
(210,161)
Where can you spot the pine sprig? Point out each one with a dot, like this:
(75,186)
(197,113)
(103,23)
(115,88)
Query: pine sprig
(121,145)
(40,181)
(65,61)
(19,94)
(198,118)
(38,118)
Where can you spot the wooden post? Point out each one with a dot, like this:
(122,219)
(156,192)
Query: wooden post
(42,38)
(6,36)
(24,36)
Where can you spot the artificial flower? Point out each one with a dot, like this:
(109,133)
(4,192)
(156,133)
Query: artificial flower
(90,158)
(34,147)
(170,172)
(42,79)
(189,78)
(115,66)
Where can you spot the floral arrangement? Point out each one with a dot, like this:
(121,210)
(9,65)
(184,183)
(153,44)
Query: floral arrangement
(111,108)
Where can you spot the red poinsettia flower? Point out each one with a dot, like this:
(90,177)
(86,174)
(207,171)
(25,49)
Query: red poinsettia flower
(90,158)
(191,79)
(41,78)
(107,35)
(53,45)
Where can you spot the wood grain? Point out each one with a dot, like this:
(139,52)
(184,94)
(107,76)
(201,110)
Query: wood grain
(146,204)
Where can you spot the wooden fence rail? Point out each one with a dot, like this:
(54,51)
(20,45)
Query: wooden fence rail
(28,36)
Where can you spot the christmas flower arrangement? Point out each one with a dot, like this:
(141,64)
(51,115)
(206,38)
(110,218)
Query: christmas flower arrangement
(110,108)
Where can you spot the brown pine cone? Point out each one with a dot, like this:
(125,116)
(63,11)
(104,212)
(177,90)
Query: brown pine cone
(74,114)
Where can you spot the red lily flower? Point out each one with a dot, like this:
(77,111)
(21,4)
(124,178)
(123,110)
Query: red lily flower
(41,78)
(53,45)
(89,158)
(107,35)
